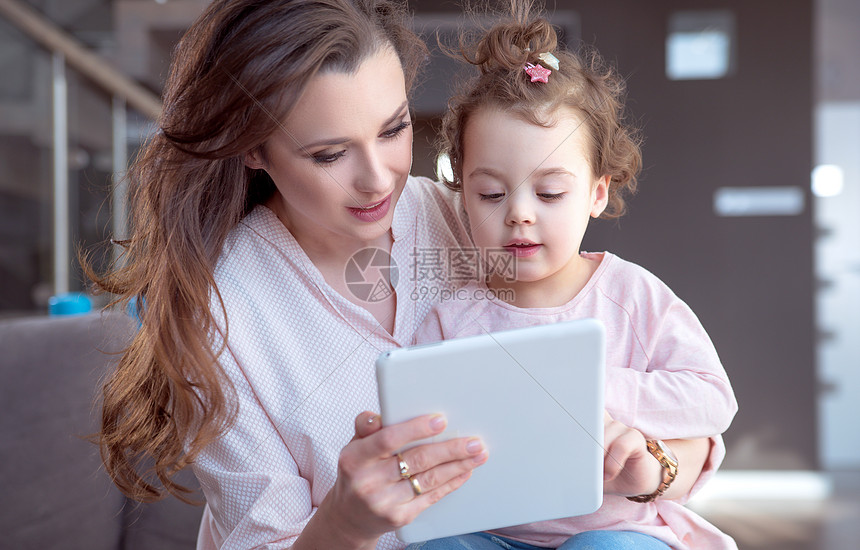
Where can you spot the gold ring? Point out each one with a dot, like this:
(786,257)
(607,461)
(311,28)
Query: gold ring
(416,487)
(404,468)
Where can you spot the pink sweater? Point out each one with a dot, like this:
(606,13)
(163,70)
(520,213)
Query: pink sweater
(663,378)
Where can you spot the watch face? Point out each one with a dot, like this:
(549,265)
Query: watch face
(666,451)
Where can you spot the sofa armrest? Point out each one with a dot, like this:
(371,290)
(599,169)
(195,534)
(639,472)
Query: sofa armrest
(55,491)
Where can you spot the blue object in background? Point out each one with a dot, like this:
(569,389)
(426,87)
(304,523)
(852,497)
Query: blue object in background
(70,303)
(135,309)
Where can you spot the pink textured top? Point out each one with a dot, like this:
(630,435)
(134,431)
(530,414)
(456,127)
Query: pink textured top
(301,359)
(663,377)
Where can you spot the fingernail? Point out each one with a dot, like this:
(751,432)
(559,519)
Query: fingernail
(374,418)
(474,446)
(607,476)
(437,422)
(481,458)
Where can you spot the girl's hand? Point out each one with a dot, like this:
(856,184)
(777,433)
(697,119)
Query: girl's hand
(370,497)
(628,468)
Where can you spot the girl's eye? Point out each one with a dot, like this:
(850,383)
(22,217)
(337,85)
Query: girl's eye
(328,158)
(551,196)
(491,196)
(397,130)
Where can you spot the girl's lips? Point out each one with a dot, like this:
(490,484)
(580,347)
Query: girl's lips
(375,212)
(523,250)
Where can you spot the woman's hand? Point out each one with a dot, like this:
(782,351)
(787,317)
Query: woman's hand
(370,497)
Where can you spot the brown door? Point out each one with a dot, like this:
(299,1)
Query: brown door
(748,278)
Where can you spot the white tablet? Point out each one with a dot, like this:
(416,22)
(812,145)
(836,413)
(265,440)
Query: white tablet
(534,396)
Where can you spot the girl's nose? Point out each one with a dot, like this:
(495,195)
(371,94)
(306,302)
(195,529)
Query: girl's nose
(519,209)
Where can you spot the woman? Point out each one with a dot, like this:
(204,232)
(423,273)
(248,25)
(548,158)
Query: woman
(280,174)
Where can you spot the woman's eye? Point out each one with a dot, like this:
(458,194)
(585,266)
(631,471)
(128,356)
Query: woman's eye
(328,158)
(397,130)
(551,196)
(491,196)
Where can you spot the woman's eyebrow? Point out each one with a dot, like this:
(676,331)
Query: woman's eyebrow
(339,140)
(326,142)
(397,114)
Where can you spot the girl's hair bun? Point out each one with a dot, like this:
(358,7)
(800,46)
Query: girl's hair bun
(509,46)
(512,43)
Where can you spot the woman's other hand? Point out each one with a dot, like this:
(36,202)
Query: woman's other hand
(370,497)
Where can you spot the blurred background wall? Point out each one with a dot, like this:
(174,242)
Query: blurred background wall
(740,103)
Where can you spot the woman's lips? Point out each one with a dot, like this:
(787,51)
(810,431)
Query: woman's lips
(374,211)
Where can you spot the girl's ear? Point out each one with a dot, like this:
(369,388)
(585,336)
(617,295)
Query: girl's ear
(600,196)
(254,159)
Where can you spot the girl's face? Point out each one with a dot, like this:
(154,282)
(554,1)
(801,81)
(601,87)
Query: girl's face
(529,192)
(341,158)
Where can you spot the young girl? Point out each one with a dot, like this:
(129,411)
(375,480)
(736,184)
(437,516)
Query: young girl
(538,146)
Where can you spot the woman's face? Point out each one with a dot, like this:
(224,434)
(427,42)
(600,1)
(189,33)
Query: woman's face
(341,158)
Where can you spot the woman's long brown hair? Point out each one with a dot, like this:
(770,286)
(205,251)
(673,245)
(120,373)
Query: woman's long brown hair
(235,74)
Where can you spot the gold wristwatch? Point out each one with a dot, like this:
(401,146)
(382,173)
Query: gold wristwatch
(667,460)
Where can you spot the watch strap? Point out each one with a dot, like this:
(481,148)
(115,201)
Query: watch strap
(670,471)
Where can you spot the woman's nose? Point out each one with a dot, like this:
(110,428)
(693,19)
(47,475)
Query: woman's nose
(373,176)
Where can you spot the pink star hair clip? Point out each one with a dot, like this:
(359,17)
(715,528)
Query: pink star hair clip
(538,73)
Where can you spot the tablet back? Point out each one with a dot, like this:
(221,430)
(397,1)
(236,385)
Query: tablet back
(535,397)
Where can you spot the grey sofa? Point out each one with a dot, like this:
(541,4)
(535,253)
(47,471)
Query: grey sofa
(53,491)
